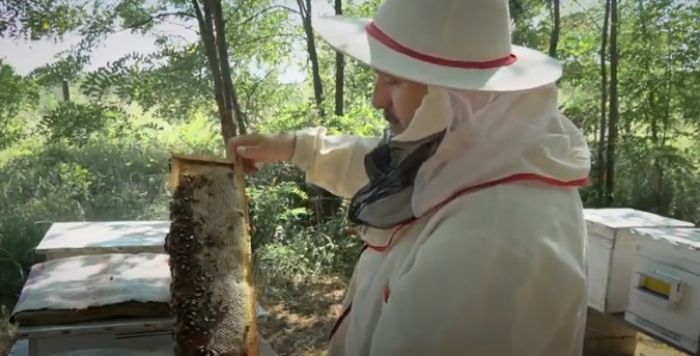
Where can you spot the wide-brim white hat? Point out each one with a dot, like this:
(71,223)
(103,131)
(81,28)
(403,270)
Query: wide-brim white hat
(460,44)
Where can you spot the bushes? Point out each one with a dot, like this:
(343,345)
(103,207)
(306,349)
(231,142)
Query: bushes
(122,175)
(102,180)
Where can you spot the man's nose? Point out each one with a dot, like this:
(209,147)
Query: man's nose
(380,97)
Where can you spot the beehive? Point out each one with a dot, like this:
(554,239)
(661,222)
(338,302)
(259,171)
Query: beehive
(611,247)
(665,289)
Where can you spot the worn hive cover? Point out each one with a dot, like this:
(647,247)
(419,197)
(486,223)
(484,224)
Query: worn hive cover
(625,218)
(686,238)
(106,236)
(95,287)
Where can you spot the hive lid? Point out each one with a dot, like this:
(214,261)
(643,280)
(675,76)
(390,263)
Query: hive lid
(66,236)
(93,287)
(85,288)
(625,218)
(682,237)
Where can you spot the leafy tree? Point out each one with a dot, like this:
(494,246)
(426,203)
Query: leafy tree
(34,19)
(16,93)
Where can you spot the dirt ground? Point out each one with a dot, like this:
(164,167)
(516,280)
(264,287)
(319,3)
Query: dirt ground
(301,315)
(301,328)
(650,347)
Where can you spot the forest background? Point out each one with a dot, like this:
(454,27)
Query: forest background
(84,138)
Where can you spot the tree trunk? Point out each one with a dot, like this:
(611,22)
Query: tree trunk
(339,70)
(65,90)
(602,125)
(211,28)
(212,294)
(614,114)
(325,203)
(556,28)
(305,12)
(232,106)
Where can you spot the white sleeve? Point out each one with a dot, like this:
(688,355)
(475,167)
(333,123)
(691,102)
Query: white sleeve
(334,163)
(484,286)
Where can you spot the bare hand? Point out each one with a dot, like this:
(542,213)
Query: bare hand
(259,148)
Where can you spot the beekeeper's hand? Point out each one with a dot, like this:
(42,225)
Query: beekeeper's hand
(260,148)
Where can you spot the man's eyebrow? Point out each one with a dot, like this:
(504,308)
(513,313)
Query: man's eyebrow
(386,76)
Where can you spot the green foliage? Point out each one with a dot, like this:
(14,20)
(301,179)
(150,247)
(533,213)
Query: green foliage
(77,123)
(63,182)
(16,92)
(35,19)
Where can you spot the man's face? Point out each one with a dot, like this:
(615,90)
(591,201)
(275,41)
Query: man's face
(398,98)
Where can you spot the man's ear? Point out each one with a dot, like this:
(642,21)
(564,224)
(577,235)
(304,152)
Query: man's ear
(432,116)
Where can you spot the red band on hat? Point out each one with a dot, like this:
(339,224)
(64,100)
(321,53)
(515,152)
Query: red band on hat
(384,39)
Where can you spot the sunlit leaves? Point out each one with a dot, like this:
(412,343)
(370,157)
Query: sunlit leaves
(16,93)
(34,19)
(175,79)
(136,14)
(67,68)
(77,123)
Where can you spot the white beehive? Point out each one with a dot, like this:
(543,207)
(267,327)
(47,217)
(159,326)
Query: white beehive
(665,288)
(89,287)
(67,239)
(611,247)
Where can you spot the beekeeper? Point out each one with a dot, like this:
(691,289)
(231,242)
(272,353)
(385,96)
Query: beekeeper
(474,230)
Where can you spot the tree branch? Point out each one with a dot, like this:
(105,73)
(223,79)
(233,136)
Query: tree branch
(254,88)
(262,38)
(204,19)
(303,11)
(161,16)
(263,11)
(233,107)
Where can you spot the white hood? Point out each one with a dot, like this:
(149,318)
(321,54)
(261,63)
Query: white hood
(509,134)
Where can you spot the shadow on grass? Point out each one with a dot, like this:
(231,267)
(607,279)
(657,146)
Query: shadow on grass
(300,313)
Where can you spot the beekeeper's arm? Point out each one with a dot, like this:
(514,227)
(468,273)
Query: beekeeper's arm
(483,286)
(334,163)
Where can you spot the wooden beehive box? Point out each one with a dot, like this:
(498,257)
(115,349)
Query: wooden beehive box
(611,247)
(665,288)
(212,293)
